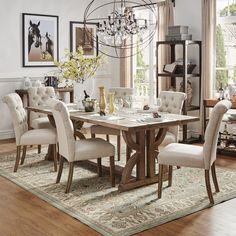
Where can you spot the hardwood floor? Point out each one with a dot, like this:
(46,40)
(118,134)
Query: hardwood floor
(22,213)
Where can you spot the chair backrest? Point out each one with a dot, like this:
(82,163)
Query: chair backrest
(65,130)
(212,132)
(38,96)
(172,102)
(124,93)
(18,114)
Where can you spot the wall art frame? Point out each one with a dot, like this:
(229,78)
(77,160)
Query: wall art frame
(40,40)
(81,35)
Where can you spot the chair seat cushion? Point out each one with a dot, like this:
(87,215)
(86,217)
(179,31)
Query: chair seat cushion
(39,136)
(98,129)
(178,154)
(92,148)
(41,123)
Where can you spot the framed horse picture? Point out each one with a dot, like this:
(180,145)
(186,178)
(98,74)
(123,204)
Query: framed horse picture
(40,40)
(84,36)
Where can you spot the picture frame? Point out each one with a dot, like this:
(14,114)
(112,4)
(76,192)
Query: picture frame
(39,39)
(88,40)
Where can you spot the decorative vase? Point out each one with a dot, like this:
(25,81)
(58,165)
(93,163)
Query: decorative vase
(27,83)
(79,94)
(102,99)
(189,92)
(111,102)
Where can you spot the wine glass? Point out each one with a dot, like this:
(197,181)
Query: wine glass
(128,101)
(118,102)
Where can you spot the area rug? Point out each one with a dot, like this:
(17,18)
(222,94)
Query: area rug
(94,202)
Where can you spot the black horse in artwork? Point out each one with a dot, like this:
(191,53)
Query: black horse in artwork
(34,36)
(49,45)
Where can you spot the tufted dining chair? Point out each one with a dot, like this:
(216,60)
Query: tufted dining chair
(120,92)
(171,102)
(177,154)
(38,96)
(24,136)
(78,150)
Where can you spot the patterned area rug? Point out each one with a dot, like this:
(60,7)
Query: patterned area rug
(94,202)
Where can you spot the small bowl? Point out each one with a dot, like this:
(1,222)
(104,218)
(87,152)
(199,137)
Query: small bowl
(89,105)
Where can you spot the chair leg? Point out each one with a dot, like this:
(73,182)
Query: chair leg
(108,138)
(61,162)
(160,180)
(39,149)
(18,149)
(170,173)
(93,135)
(213,172)
(112,171)
(99,167)
(208,186)
(70,176)
(118,147)
(23,155)
(55,157)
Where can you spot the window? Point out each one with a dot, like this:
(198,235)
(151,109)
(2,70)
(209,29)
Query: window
(225,43)
(144,62)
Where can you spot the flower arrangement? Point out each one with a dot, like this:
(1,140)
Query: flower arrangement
(75,66)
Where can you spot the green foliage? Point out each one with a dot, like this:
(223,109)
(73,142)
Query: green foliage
(232,10)
(76,66)
(221,75)
(142,67)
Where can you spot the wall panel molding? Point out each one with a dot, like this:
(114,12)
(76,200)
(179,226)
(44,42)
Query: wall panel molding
(6,134)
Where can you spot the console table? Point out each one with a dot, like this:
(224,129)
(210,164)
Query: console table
(23,92)
(210,103)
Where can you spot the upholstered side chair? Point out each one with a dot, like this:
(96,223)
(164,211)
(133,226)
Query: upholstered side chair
(177,154)
(120,92)
(171,102)
(38,96)
(24,136)
(77,150)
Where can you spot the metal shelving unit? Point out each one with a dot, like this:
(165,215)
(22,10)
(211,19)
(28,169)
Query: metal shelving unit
(161,75)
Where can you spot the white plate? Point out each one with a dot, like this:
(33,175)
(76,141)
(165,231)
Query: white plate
(153,119)
(98,117)
(146,111)
(75,110)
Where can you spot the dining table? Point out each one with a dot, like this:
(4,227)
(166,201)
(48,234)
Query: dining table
(142,134)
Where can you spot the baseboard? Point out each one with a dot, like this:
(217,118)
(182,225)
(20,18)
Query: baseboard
(6,134)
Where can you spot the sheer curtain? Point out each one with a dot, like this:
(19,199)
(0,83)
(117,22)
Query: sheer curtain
(208,46)
(165,19)
(125,66)
(208,49)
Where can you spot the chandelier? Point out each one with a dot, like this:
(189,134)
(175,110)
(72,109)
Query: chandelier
(117,22)
(121,24)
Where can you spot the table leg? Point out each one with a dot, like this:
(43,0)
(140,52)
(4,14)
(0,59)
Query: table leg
(152,144)
(137,158)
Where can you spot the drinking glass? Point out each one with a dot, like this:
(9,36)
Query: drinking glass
(128,101)
(118,102)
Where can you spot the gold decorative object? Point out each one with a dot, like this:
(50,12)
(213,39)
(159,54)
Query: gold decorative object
(111,103)
(102,99)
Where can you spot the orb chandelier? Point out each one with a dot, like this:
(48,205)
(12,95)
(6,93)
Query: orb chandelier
(121,24)
(118,24)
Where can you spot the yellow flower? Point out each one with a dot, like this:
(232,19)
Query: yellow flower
(76,66)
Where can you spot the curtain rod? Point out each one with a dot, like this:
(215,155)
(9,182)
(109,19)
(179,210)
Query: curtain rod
(150,4)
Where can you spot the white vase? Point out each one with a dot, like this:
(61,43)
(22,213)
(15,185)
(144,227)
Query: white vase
(79,94)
